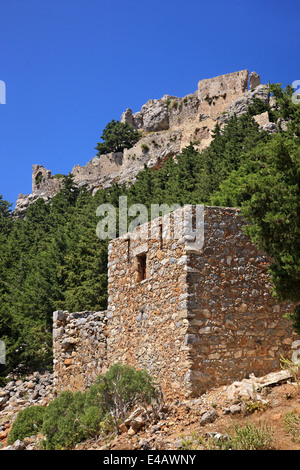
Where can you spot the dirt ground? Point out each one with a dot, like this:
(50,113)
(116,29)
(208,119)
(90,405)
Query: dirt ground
(181,422)
(178,426)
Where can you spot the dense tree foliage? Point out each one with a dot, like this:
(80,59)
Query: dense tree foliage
(49,260)
(267,188)
(52,258)
(116,137)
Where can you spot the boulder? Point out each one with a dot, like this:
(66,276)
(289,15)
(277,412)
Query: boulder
(209,417)
(247,389)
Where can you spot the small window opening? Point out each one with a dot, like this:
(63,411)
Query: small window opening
(142,266)
(128,250)
(194,222)
(160,236)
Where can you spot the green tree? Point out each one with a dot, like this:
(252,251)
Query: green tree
(267,188)
(5,215)
(285,109)
(62,421)
(117,136)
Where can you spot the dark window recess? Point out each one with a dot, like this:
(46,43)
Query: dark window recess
(160,236)
(128,250)
(142,266)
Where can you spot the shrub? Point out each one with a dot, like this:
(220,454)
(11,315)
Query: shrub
(192,442)
(173,104)
(144,147)
(255,407)
(292,425)
(123,387)
(292,367)
(38,179)
(250,437)
(74,417)
(28,423)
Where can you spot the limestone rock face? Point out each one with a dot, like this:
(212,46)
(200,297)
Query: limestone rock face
(262,119)
(155,116)
(127,116)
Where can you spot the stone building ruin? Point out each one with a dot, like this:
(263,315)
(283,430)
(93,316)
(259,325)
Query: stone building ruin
(195,316)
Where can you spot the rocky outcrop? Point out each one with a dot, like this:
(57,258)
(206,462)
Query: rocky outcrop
(249,389)
(241,105)
(167,125)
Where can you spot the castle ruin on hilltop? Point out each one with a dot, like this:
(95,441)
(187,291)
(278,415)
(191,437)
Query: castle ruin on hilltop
(195,315)
(167,126)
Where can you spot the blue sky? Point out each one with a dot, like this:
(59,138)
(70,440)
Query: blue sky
(71,66)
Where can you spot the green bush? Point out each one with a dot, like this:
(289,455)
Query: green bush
(75,417)
(123,387)
(247,437)
(144,147)
(71,418)
(250,437)
(292,425)
(38,179)
(28,423)
(116,137)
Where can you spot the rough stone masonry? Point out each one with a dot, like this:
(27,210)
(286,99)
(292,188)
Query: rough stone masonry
(195,318)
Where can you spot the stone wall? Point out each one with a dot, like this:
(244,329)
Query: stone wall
(199,318)
(44,185)
(100,171)
(148,316)
(194,316)
(235,325)
(217,93)
(43,182)
(79,349)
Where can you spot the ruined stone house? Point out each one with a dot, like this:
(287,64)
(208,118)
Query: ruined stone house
(195,315)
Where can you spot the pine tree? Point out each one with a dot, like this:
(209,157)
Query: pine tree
(117,136)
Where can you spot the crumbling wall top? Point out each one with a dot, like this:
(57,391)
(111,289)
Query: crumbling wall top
(235,83)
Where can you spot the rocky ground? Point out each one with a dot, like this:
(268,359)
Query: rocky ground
(177,425)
